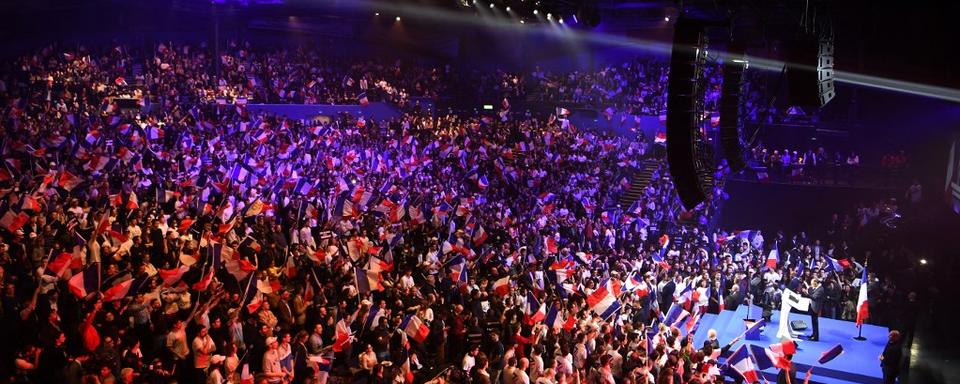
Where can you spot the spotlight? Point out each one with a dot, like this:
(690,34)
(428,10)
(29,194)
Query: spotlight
(491,5)
(666,18)
(508,8)
(521,22)
(398,18)
(535,11)
(377,14)
(923,261)
(549,15)
(561,20)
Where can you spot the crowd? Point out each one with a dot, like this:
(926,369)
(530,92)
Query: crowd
(815,165)
(195,243)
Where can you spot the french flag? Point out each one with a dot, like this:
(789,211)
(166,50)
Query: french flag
(863,305)
(740,362)
(56,266)
(13,221)
(834,265)
(479,236)
(554,317)
(373,318)
(502,286)
(604,301)
(534,312)
(86,282)
(675,315)
(415,328)
(170,277)
(635,284)
(658,257)
(127,288)
(550,244)
(773,258)
(458,271)
(367,282)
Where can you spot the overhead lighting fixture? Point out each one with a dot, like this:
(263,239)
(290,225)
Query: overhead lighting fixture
(398,18)
(561,20)
(923,261)
(666,18)
(508,8)
(521,22)
(377,14)
(491,5)
(535,11)
(549,15)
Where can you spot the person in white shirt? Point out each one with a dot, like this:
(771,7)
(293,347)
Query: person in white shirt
(470,359)
(536,362)
(521,376)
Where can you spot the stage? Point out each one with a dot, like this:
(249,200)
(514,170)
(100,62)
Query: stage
(859,362)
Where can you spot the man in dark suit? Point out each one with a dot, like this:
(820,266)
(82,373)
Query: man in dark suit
(666,293)
(891,358)
(816,305)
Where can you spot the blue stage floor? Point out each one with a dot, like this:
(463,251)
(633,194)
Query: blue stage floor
(859,362)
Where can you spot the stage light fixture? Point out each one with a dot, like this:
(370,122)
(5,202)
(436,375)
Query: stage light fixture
(398,18)
(521,22)
(535,11)
(508,8)
(377,14)
(561,20)
(491,5)
(666,18)
(923,261)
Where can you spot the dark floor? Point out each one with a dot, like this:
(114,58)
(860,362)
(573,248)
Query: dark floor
(934,355)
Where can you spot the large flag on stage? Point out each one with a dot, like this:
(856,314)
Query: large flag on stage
(862,303)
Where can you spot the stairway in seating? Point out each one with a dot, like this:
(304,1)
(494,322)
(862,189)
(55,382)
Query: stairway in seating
(638,182)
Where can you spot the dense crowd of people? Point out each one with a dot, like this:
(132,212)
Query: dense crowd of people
(196,242)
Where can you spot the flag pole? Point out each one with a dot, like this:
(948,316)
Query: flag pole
(860,326)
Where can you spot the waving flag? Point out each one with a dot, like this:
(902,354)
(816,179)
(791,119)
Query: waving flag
(415,328)
(604,300)
(658,257)
(479,235)
(343,336)
(740,362)
(550,245)
(554,317)
(675,315)
(534,311)
(56,266)
(123,289)
(368,281)
(170,277)
(86,282)
(773,258)
(636,284)
(863,305)
(502,286)
(13,221)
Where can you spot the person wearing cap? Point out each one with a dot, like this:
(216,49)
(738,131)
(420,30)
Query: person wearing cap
(272,369)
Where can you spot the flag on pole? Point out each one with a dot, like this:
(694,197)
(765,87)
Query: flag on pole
(415,328)
(773,258)
(604,301)
(85,282)
(502,286)
(863,305)
(740,362)
(534,312)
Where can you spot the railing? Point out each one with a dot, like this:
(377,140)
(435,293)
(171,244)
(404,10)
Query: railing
(841,175)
